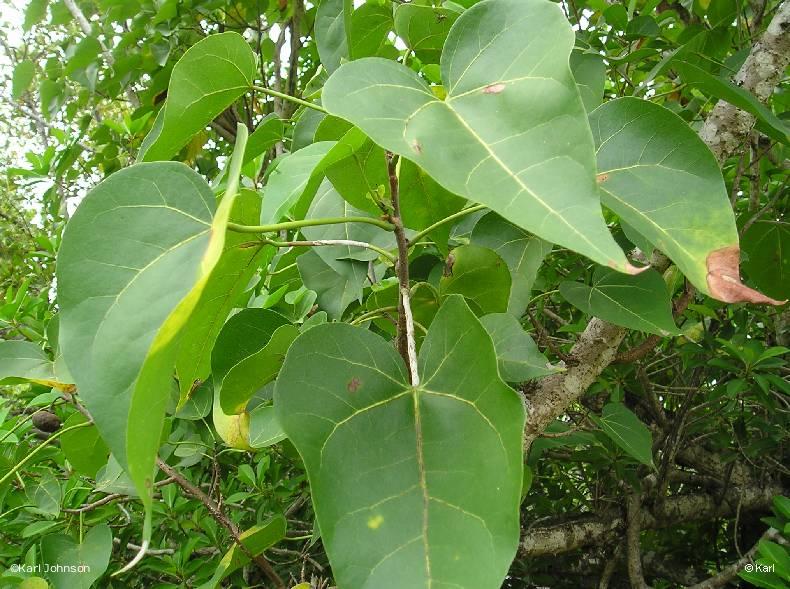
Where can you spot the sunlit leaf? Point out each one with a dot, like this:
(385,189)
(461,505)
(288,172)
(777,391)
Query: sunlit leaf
(208,78)
(490,140)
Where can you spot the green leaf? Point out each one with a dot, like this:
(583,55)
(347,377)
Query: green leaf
(24,72)
(370,26)
(765,580)
(642,149)
(338,283)
(723,89)
(22,361)
(424,28)
(778,556)
(249,352)
(480,275)
(34,13)
(589,72)
(412,486)
(83,447)
(199,403)
(512,133)
(332,26)
(268,132)
(328,203)
(256,539)
(45,496)
(517,354)
(265,428)
(767,244)
(121,307)
(523,253)
(34,583)
(627,431)
(92,556)
(291,178)
(636,302)
(228,280)
(208,78)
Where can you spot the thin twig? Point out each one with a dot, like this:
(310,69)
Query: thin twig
(405,337)
(221,519)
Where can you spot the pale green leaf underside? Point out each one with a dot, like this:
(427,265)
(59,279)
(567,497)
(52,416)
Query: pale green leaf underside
(659,176)
(434,501)
(636,302)
(121,306)
(512,133)
(207,79)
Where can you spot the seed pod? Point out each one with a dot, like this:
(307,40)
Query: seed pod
(46,421)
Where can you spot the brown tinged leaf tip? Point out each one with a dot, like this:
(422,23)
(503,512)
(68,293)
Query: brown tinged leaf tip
(724,281)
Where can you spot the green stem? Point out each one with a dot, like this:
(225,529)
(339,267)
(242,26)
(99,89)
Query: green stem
(40,447)
(318,243)
(236,160)
(274,228)
(373,314)
(441,222)
(290,98)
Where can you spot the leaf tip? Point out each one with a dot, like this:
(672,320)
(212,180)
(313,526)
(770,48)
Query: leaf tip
(724,281)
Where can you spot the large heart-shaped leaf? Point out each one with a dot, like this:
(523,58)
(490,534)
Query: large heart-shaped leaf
(659,176)
(512,132)
(413,486)
(209,77)
(637,302)
(61,552)
(228,280)
(123,306)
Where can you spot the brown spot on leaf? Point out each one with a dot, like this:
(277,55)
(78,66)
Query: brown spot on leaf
(724,280)
(353,385)
(601,178)
(493,88)
(416,146)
